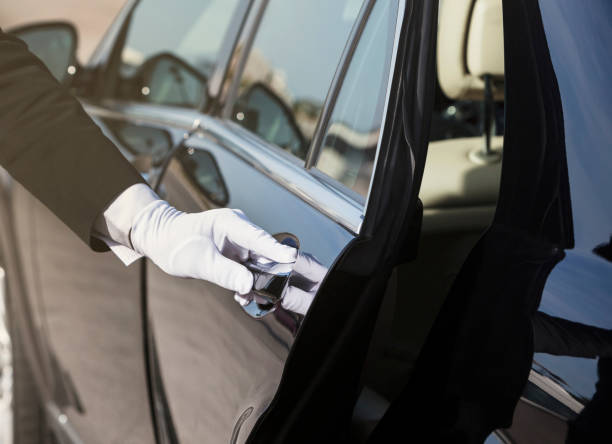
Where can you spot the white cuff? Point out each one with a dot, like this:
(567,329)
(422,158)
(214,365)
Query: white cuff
(125,254)
(114,224)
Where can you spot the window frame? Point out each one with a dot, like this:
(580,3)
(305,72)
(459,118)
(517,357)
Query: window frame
(334,92)
(337,82)
(329,197)
(309,163)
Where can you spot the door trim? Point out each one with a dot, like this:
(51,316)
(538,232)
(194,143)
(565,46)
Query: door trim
(264,157)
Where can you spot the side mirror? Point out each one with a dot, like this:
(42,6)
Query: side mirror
(261,110)
(168,80)
(142,141)
(55,43)
(202,170)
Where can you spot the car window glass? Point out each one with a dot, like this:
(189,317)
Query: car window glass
(170,51)
(290,68)
(349,146)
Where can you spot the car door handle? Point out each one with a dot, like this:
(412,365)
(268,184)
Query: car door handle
(269,284)
(270,281)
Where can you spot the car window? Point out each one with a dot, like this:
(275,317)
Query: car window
(171,50)
(290,68)
(351,137)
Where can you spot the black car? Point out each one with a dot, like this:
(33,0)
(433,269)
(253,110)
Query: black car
(444,170)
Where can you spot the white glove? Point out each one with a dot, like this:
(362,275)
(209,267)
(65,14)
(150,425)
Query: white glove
(308,273)
(205,245)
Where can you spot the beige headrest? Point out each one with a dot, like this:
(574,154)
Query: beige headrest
(470,45)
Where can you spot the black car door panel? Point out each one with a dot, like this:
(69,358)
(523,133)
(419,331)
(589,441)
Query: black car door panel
(220,366)
(211,353)
(88,309)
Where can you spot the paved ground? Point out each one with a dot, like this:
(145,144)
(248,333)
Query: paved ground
(92,17)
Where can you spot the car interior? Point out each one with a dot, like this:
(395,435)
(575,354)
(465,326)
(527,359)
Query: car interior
(459,193)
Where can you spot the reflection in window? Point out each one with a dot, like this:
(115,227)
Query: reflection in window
(202,170)
(349,146)
(171,51)
(140,140)
(294,56)
(267,115)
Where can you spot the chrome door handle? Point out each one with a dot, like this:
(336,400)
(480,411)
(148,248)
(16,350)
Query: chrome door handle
(270,281)
(269,285)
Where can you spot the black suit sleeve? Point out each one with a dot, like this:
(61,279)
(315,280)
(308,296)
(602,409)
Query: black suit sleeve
(51,146)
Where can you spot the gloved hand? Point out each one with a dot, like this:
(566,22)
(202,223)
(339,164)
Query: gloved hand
(205,245)
(308,273)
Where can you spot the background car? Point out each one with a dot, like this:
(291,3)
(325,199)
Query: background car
(368,134)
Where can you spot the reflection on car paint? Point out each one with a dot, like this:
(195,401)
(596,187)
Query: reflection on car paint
(574,330)
(202,325)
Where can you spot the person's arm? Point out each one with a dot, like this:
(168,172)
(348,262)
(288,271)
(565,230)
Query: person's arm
(209,245)
(51,146)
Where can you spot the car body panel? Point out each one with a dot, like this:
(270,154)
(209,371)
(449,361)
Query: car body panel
(579,288)
(578,292)
(211,352)
(202,362)
(87,307)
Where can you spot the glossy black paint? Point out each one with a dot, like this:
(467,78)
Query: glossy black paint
(319,385)
(204,338)
(579,288)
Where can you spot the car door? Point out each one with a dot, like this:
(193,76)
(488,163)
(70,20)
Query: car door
(155,78)
(142,87)
(298,136)
(81,310)
(291,139)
